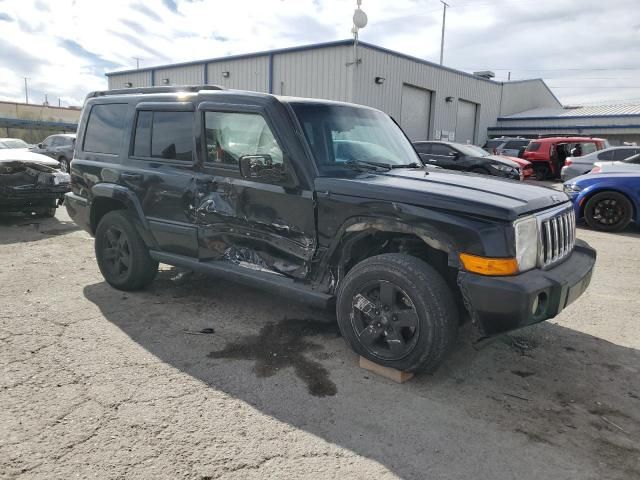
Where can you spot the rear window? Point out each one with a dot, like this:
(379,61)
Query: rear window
(623,153)
(493,143)
(105,128)
(533,147)
(516,144)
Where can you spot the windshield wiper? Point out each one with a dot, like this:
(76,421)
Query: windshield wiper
(408,165)
(369,165)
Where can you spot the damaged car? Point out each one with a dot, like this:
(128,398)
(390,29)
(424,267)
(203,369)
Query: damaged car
(324,202)
(31,183)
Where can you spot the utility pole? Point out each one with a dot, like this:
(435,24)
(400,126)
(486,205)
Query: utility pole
(444,18)
(26,90)
(137,59)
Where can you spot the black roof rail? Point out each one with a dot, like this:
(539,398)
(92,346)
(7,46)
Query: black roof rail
(168,89)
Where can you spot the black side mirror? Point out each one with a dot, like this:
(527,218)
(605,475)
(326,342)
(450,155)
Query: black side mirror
(39,145)
(260,166)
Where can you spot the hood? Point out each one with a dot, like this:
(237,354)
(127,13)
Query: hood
(24,156)
(504,160)
(480,195)
(520,161)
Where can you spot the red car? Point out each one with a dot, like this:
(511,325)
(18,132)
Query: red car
(548,154)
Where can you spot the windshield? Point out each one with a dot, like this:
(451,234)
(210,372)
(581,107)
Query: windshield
(340,135)
(471,150)
(14,143)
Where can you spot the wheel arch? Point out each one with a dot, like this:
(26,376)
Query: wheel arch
(107,197)
(364,237)
(590,193)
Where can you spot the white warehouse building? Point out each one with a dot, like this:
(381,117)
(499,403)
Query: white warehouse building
(430,102)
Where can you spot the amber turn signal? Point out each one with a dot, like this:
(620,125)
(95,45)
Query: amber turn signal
(489,266)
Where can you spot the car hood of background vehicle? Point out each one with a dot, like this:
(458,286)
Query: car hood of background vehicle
(520,161)
(504,160)
(15,155)
(472,194)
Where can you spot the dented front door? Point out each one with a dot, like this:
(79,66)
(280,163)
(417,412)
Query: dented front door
(263,223)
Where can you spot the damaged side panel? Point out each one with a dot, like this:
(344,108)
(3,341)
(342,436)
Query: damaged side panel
(259,224)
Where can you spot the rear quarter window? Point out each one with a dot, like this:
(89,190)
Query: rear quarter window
(105,128)
(533,147)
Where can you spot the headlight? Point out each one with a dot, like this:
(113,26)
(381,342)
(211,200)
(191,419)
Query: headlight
(571,188)
(526,243)
(504,168)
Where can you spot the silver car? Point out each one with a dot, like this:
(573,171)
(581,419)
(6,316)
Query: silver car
(575,166)
(629,165)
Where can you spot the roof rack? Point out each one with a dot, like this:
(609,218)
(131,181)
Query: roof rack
(169,89)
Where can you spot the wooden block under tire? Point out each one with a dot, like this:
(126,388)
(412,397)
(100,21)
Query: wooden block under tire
(386,372)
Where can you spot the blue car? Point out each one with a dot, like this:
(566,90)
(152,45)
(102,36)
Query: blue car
(606,201)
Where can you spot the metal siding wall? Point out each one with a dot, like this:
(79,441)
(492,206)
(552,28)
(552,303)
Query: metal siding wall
(520,96)
(319,73)
(443,83)
(187,75)
(137,79)
(244,74)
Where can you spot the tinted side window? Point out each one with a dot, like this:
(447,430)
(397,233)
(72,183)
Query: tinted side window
(635,159)
(142,142)
(516,144)
(423,147)
(622,153)
(533,147)
(172,135)
(439,149)
(230,136)
(105,128)
(606,155)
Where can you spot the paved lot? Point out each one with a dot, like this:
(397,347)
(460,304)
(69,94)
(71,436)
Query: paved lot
(100,384)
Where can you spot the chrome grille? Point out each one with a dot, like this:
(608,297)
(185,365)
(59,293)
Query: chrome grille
(557,236)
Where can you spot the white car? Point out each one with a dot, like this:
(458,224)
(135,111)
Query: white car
(14,144)
(630,165)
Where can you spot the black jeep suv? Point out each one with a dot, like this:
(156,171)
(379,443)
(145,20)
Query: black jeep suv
(266,191)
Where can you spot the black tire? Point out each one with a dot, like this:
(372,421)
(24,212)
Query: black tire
(608,211)
(542,171)
(480,170)
(430,304)
(65,164)
(48,212)
(122,255)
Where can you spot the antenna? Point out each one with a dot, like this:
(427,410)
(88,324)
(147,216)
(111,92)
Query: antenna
(359,21)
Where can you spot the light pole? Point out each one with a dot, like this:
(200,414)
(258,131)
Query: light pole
(26,90)
(444,18)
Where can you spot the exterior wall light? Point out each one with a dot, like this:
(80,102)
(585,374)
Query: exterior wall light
(380,80)
(449,99)
(128,85)
(225,74)
(165,81)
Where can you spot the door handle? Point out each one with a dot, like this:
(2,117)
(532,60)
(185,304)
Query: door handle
(432,160)
(131,177)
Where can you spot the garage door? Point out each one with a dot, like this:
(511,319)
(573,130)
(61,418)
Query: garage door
(415,110)
(466,122)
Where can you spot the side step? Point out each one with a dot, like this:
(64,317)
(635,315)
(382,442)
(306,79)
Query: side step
(271,282)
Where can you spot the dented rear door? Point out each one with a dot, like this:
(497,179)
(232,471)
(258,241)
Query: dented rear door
(265,223)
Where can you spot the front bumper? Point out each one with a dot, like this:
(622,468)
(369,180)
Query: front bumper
(501,304)
(18,200)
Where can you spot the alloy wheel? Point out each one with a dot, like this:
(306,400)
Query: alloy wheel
(385,320)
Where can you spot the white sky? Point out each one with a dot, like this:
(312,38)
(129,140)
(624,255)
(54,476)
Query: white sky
(588,51)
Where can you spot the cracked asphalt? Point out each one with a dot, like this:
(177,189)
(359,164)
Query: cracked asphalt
(200,378)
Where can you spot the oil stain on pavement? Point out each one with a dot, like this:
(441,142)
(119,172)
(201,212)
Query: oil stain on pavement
(283,345)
